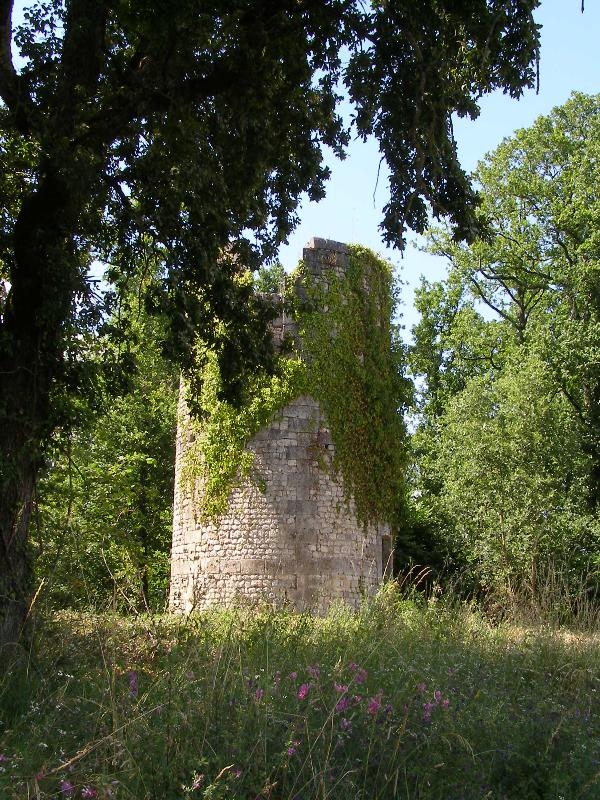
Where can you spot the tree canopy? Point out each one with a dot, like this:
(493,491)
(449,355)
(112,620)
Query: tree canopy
(507,349)
(132,129)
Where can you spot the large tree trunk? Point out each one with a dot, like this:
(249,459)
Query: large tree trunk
(43,282)
(16,498)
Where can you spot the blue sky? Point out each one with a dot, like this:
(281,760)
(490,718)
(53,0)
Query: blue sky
(351,211)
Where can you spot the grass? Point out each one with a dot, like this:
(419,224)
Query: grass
(404,699)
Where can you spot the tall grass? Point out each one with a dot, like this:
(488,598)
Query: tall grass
(405,699)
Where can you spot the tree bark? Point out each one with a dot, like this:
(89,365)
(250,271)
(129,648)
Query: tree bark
(43,281)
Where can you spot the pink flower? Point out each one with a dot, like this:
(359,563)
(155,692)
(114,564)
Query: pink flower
(237,772)
(342,704)
(3,758)
(66,788)
(303,691)
(198,780)
(87,791)
(374,704)
(259,694)
(345,724)
(340,688)
(437,695)
(292,676)
(445,703)
(361,675)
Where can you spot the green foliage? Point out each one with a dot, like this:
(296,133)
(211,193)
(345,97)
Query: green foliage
(102,531)
(216,457)
(193,133)
(405,700)
(513,479)
(351,361)
(356,371)
(271,279)
(510,407)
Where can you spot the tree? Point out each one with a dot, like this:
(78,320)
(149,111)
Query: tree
(508,445)
(539,268)
(513,477)
(133,124)
(103,524)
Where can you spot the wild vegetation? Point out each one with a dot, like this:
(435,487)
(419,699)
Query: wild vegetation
(481,681)
(133,133)
(407,699)
(347,354)
(506,448)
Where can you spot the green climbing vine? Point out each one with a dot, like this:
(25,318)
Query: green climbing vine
(351,361)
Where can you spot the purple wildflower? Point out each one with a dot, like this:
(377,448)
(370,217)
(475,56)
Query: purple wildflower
(340,688)
(237,772)
(356,699)
(88,791)
(374,704)
(133,687)
(361,675)
(342,704)
(3,758)
(388,708)
(66,788)
(345,724)
(292,676)
(427,709)
(314,671)
(259,694)
(198,780)
(445,703)
(437,695)
(303,691)
(277,678)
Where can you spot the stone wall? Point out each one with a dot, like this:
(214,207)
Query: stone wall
(298,542)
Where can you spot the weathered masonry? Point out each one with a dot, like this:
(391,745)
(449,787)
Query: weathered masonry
(295,540)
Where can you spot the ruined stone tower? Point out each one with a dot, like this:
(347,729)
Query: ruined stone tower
(296,540)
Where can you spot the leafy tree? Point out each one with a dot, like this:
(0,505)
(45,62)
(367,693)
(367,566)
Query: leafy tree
(539,268)
(186,127)
(102,531)
(271,279)
(513,477)
(509,452)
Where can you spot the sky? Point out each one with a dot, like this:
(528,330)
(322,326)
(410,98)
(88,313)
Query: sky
(352,209)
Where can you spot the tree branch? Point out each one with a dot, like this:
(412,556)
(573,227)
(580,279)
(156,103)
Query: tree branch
(8,76)
(11,88)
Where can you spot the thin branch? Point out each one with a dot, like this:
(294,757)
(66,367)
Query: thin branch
(488,302)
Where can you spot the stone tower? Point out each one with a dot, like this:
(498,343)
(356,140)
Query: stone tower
(296,541)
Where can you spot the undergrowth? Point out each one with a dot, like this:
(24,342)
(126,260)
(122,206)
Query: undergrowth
(404,699)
